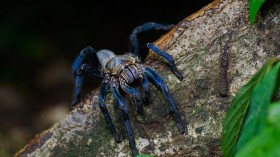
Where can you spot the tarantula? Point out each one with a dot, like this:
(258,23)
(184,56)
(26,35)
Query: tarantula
(122,72)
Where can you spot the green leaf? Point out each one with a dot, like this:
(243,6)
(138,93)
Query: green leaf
(234,118)
(262,95)
(273,118)
(266,144)
(254,7)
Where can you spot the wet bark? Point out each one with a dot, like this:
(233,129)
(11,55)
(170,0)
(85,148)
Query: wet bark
(216,49)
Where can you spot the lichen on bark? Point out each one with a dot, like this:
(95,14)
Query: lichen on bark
(196,43)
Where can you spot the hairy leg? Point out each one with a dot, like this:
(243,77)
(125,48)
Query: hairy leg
(86,53)
(146,87)
(136,95)
(78,69)
(125,116)
(159,82)
(79,80)
(169,59)
(134,47)
(101,99)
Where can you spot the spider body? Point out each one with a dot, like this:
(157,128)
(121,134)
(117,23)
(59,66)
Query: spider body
(120,72)
(123,65)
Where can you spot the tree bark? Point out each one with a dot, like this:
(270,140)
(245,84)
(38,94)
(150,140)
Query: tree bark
(216,49)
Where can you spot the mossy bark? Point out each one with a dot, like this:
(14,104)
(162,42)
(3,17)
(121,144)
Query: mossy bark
(217,51)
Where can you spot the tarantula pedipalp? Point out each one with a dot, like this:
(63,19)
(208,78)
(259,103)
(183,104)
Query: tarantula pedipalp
(121,72)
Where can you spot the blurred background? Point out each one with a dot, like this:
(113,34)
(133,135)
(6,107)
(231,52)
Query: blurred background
(38,43)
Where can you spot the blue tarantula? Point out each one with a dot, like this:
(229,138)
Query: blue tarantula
(123,72)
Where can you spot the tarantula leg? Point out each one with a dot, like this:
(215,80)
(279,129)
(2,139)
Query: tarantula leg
(145,84)
(78,70)
(128,127)
(159,81)
(80,59)
(86,68)
(166,56)
(103,107)
(79,80)
(143,28)
(136,95)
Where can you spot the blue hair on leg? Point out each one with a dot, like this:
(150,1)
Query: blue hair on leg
(80,59)
(136,95)
(79,81)
(78,70)
(134,47)
(166,56)
(146,87)
(103,107)
(128,127)
(86,68)
(159,82)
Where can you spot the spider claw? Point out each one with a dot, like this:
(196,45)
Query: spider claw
(179,122)
(131,139)
(178,74)
(117,137)
(134,151)
(74,101)
(181,129)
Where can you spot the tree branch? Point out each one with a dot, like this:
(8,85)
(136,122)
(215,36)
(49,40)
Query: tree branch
(202,44)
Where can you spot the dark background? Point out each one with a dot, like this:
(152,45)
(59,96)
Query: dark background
(40,40)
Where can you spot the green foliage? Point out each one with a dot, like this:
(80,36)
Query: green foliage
(267,143)
(254,7)
(247,116)
(260,99)
(274,114)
